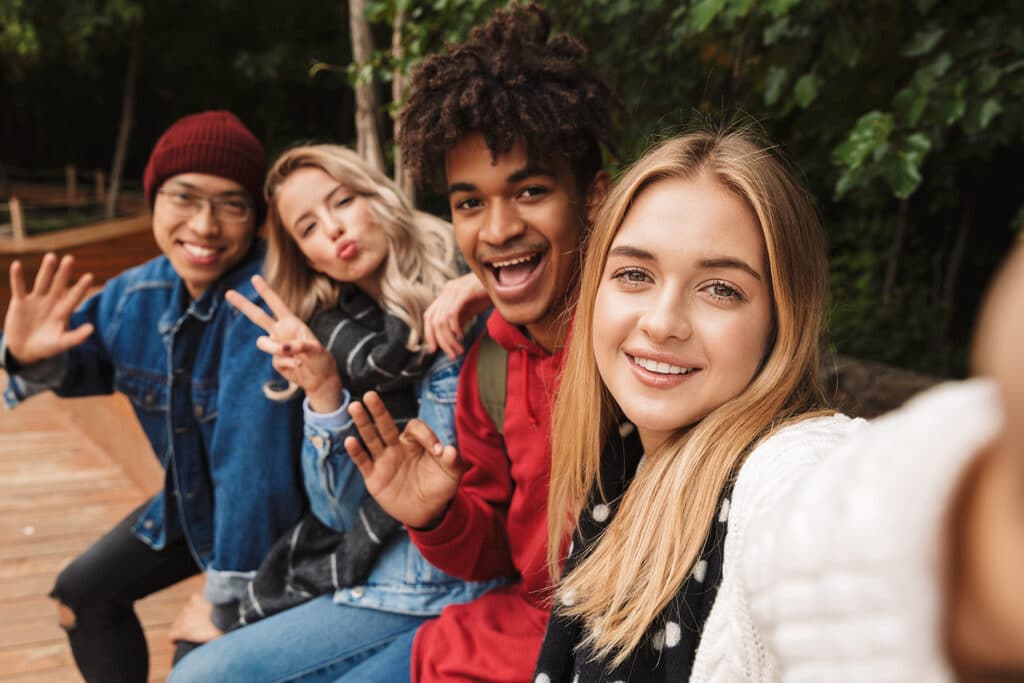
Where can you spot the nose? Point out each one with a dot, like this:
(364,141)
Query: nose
(334,227)
(666,316)
(502,224)
(203,222)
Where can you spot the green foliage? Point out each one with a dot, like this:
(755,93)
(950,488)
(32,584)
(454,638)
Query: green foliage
(19,41)
(893,111)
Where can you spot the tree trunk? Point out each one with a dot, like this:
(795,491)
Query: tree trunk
(367,137)
(896,253)
(127,121)
(403,178)
(956,256)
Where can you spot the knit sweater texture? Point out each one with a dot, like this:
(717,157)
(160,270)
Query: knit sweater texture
(833,557)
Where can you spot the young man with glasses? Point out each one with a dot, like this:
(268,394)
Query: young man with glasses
(163,335)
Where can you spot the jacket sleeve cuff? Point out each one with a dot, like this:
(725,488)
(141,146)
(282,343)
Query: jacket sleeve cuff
(34,378)
(452,525)
(333,421)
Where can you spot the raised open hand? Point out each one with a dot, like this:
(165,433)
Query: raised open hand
(459,301)
(411,475)
(36,326)
(297,354)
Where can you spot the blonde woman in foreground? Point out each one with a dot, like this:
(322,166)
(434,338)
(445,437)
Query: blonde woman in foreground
(727,526)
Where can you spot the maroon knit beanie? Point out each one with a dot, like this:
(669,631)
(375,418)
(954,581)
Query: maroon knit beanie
(213,142)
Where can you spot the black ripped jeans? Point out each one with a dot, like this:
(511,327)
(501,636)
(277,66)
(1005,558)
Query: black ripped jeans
(100,587)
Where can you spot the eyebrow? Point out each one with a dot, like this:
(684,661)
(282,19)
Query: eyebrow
(707,264)
(514,177)
(196,188)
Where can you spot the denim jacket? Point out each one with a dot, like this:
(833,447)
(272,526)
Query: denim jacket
(193,375)
(402,580)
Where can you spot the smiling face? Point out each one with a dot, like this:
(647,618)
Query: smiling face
(519,226)
(333,227)
(201,247)
(683,313)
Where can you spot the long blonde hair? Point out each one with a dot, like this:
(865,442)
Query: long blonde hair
(421,248)
(640,562)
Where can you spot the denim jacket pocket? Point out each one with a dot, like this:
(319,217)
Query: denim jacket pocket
(150,399)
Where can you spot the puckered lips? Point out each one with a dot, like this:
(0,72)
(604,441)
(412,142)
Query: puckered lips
(201,254)
(511,276)
(658,369)
(346,250)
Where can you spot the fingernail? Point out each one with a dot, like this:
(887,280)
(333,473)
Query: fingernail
(437,448)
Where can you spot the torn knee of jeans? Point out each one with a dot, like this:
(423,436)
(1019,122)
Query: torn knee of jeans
(65,616)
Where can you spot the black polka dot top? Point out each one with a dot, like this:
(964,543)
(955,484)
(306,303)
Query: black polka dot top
(670,644)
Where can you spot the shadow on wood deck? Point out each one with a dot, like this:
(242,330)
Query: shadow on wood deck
(69,470)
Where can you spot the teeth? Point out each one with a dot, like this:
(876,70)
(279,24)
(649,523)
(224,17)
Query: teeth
(197,250)
(512,262)
(660,368)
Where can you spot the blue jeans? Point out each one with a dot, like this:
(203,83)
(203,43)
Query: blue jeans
(317,641)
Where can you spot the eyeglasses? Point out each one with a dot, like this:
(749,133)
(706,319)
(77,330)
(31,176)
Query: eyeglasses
(224,209)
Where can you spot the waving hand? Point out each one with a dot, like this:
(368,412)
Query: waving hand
(36,325)
(411,475)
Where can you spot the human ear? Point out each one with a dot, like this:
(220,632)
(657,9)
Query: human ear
(596,193)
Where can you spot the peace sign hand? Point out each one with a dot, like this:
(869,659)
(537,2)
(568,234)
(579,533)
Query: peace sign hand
(297,354)
(36,325)
(412,476)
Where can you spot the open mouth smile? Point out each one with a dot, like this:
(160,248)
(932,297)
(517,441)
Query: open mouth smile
(514,271)
(200,252)
(660,367)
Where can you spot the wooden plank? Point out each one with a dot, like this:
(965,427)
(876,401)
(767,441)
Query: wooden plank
(104,250)
(39,660)
(59,492)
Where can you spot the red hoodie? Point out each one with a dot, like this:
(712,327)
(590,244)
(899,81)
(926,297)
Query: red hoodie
(496,525)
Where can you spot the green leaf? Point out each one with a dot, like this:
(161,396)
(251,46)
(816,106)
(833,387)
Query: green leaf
(774,82)
(910,103)
(990,108)
(987,77)
(703,12)
(951,108)
(805,90)
(775,30)
(777,8)
(929,74)
(923,42)
(866,142)
(902,169)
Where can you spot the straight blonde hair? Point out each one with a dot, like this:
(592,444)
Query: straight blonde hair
(421,248)
(640,562)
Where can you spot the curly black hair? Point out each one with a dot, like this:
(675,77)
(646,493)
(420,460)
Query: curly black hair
(509,81)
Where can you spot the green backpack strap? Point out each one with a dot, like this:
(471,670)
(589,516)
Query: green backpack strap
(491,375)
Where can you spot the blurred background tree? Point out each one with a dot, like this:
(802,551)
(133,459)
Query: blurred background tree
(905,117)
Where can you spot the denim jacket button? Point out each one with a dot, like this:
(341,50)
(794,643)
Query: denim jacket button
(198,411)
(149,399)
(317,441)
(148,524)
(357,592)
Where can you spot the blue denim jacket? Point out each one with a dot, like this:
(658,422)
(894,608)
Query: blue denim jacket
(402,580)
(194,376)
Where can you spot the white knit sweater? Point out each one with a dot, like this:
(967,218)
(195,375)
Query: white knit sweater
(832,558)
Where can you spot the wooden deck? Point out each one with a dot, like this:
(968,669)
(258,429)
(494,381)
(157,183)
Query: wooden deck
(69,470)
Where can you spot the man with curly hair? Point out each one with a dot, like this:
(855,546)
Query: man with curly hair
(515,119)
